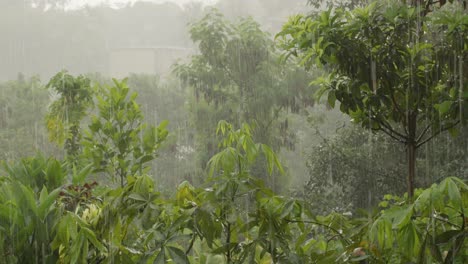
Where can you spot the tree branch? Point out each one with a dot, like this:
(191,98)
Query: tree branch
(338,233)
(447,222)
(390,128)
(392,136)
(387,129)
(419,144)
(423,133)
(192,241)
(427,7)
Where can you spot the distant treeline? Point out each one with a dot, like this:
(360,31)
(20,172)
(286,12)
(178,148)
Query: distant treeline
(38,39)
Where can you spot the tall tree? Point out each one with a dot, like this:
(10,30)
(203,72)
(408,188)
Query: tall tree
(393,67)
(23,104)
(118,142)
(238,75)
(67,111)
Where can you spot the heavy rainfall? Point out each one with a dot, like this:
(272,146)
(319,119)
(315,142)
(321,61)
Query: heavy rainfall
(233,131)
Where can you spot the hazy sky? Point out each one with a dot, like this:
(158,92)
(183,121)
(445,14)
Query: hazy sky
(115,3)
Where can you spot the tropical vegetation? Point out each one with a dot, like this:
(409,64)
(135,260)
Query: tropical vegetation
(121,184)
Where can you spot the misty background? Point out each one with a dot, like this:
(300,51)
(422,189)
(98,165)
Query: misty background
(44,37)
(327,159)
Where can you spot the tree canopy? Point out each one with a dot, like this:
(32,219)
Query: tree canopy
(391,68)
(238,77)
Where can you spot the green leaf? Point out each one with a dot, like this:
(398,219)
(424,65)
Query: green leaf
(76,248)
(453,192)
(454,132)
(224,248)
(448,236)
(161,258)
(137,197)
(434,249)
(79,177)
(272,159)
(163,124)
(247,226)
(409,239)
(400,216)
(46,202)
(331,98)
(28,194)
(91,236)
(43,194)
(358,259)
(177,255)
(444,107)
(95,126)
(287,209)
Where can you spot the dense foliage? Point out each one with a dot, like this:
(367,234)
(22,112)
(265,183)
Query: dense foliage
(67,111)
(238,77)
(394,68)
(208,187)
(53,213)
(233,218)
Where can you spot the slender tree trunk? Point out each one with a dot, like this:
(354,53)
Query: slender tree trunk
(411,169)
(72,146)
(411,147)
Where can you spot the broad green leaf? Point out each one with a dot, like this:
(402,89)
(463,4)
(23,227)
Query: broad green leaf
(453,192)
(400,216)
(444,107)
(161,258)
(91,236)
(137,197)
(177,255)
(224,248)
(43,194)
(448,236)
(28,195)
(409,239)
(79,177)
(47,201)
(434,249)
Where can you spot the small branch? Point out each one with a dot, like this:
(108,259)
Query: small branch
(423,133)
(330,239)
(392,136)
(447,222)
(459,241)
(317,132)
(390,128)
(419,144)
(463,218)
(267,126)
(194,237)
(338,233)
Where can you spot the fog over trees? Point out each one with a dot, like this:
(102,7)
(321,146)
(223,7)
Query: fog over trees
(40,40)
(234,131)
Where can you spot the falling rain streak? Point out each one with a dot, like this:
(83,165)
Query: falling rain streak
(233,131)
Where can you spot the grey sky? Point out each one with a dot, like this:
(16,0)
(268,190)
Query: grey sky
(115,3)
